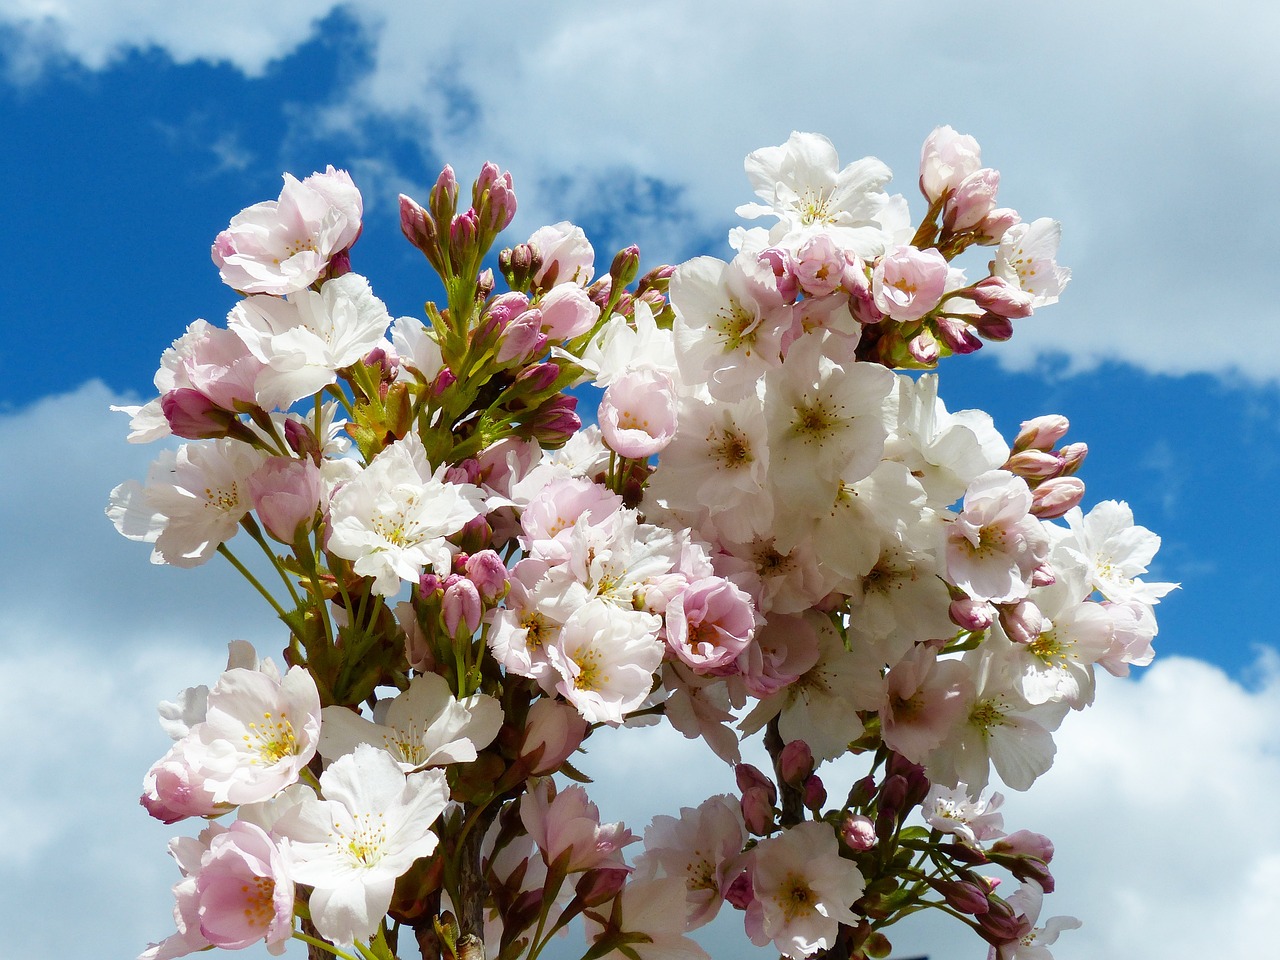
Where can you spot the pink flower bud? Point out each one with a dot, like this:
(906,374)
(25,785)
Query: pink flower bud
(506,307)
(893,792)
(443,199)
(1043,576)
(819,266)
(638,414)
(946,159)
(923,348)
(957,336)
(858,832)
(814,794)
(494,196)
(740,893)
(301,440)
(991,326)
(461,605)
(757,812)
(1025,843)
(463,231)
(1001,925)
(784,272)
(286,494)
(600,885)
(535,378)
(567,312)
(749,777)
(521,339)
(1041,433)
(1073,455)
(972,615)
(1022,621)
(429,585)
(193,416)
(795,763)
(1034,464)
(998,296)
(965,897)
(487,571)
(418,229)
(996,225)
(557,729)
(625,266)
(555,422)
(973,199)
(1055,497)
(445,379)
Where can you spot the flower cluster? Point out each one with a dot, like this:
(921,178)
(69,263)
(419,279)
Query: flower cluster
(769,529)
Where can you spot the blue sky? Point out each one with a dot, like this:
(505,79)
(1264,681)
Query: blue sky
(132,133)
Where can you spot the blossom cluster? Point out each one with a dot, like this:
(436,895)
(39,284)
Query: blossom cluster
(774,526)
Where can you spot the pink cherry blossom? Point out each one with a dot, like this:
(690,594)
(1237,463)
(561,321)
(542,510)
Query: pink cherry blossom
(907,283)
(638,414)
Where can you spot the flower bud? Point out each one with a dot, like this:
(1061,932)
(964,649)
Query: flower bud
(972,615)
(740,893)
(1056,496)
(814,793)
(1041,433)
(429,585)
(557,729)
(858,832)
(749,777)
(957,336)
(964,896)
(1034,464)
(1022,621)
(892,793)
(193,416)
(494,197)
(484,284)
(464,229)
(1073,455)
(972,201)
(998,296)
(782,266)
(625,266)
(600,885)
(795,763)
(519,264)
(991,326)
(443,199)
(1043,576)
(1025,843)
(487,571)
(461,605)
(286,494)
(946,159)
(567,312)
(416,225)
(1000,924)
(555,422)
(521,340)
(997,223)
(862,791)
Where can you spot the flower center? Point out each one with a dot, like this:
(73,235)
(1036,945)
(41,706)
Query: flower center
(273,739)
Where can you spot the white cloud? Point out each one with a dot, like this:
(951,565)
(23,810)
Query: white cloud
(1150,136)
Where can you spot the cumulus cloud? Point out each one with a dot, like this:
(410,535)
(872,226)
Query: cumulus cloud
(1150,138)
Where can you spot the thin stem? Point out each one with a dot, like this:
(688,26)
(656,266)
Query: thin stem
(244,572)
(323,944)
(256,534)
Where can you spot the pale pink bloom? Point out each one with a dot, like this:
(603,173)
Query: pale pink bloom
(286,494)
(709,623)
(907,283)
(392,519)
(638,414)
(208,359)
(305,340)
(566,827)
(606,657)
(193,501)
(1117,551)
(282,246)
(521,634)
(1033,945)
(995,545)
(924,696)
(566,254)
(1135,628)
(729,328)
(999,728)
(953,810)
(902,600)
(549,518)
(350,847)
(702,847)
(801,182)
(553,731)
(786,647)
(653,910)
(425,726)
(173,791)
(821,706)
(803,890)
(946,159)
(628,344)
(819,265)
(1025,258)
(567,312)
(700,707)
(257,735)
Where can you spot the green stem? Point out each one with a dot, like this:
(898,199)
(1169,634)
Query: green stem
(323,944)
(256,533)
(244,572)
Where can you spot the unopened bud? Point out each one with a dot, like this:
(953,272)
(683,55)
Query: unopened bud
(625,266)
(957,336)
(601,884)
(487,571)
(519,264)
(972,201)
(1025,843)
(1073,455)
(443,199)
(996,223)
(555,422)
(1034,464)
(814,794)
(795,763)
(1022,621)
(1055,497)
(301,440)
(1043,576)
(892,793)
(418,229)
(858,832)
(193,416)
(556,729)
(965,897)
(972,615)
(461,606)
(991,326)
(923,348)
(1000,924)
(484,284)
(1041,433)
